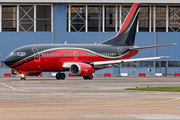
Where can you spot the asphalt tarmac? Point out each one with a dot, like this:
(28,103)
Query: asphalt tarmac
(103,98)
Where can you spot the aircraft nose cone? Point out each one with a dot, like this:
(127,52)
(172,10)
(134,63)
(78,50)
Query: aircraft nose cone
(8,61)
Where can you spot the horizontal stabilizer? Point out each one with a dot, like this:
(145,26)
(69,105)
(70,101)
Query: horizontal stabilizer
(153,46)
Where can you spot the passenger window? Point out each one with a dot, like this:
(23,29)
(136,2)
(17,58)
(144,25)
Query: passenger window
(81,54)
(49,54)
(64,54)
(59,54)
(85,54)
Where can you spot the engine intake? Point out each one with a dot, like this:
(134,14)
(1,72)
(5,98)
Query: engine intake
(81,69)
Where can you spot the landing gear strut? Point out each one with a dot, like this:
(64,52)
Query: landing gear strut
(23,77)
(88,77)
(61,76)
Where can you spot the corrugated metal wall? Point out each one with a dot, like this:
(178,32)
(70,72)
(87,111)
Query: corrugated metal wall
(12,40)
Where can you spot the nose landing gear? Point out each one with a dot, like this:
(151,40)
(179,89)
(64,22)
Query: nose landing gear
(23,77)
(61,76)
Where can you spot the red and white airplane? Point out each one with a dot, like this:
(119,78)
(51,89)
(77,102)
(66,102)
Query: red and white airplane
(80,59)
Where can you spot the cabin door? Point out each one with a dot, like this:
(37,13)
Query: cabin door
(36,54)
(119,51)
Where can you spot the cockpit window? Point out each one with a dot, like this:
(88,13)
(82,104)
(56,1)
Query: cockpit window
(18,53)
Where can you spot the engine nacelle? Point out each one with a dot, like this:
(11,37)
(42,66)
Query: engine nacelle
(81,69)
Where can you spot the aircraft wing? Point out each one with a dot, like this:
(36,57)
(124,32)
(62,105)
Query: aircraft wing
(101,64)
(124,61)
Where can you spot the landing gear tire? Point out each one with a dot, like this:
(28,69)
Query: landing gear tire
(88,77)
(60,76)
(63,76)
(85,77)
(23,77)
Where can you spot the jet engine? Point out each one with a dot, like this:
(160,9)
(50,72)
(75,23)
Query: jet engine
(81,69)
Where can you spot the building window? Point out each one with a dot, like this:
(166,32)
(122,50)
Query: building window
(94,18)
(146,64)
(125,10)
(173,63)
(163,64)
(43,18)
(144,19)
(110,17)
(174,19)
(26,18)
(8,18)
(160,19)
(78,19)
(157,63)
(129,65)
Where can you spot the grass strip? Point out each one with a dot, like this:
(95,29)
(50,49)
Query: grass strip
(170,89)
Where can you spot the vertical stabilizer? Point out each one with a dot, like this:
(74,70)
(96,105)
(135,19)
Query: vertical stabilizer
(126,34)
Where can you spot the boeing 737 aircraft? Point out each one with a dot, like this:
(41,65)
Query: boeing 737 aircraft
(80,59)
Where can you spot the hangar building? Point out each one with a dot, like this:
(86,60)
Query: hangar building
(24,22)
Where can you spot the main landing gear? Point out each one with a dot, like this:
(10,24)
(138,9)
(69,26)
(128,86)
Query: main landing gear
(61,76)
(88,77)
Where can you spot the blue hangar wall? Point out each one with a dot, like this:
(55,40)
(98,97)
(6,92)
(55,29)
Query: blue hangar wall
(12,40)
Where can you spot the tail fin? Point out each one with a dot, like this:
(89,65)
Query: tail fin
(126,34)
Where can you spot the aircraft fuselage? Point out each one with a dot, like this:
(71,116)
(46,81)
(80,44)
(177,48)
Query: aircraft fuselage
(51,57)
